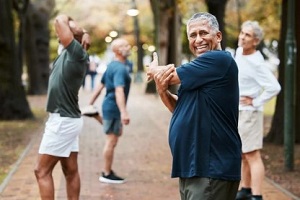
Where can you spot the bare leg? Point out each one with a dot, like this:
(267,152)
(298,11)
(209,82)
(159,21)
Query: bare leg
(257,171)
(108,152)
(43,173)
(246,176)
(70,169)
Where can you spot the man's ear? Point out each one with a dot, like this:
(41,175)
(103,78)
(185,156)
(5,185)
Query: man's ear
(256,42)
(219,36)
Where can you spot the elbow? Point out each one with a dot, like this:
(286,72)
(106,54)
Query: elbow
(274,89)
(277,89)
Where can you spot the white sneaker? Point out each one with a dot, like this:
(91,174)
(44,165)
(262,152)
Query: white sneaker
(89,111)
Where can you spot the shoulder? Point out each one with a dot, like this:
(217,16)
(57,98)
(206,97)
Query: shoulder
(239,50)
(116,67)
(216,54)
(258,55)
(215,57)
(75,48)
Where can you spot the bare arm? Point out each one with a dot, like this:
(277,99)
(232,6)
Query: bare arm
(162,79)
(63,30)
(96,93)
(67,29)
(153,69)
(121,102)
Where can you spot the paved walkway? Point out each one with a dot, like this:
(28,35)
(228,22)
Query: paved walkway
(142,156)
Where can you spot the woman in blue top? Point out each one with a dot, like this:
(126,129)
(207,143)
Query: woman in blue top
(203,134)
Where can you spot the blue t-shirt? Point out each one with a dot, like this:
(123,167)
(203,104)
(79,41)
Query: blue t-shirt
(203,136)
(115,75)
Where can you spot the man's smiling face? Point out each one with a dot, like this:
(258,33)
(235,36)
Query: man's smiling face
(202,37)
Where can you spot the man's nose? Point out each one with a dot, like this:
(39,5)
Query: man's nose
(199,38)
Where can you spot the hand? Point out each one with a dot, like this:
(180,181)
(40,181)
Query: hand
(163,77)
(152,66)
(86,41)
(246,100)
(125,118)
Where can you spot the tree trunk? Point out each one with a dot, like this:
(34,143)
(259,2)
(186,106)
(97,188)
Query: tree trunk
(275,134)
(217,8)
(13,102)
(150,87)
(175,47)
(297,34)
(37,47)
(169,42)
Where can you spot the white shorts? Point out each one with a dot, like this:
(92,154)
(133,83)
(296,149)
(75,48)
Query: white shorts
(251,130)
(61,136)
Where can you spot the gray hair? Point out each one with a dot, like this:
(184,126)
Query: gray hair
(257,30)
(211,19)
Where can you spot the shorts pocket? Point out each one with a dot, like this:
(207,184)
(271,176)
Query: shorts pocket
(53,124)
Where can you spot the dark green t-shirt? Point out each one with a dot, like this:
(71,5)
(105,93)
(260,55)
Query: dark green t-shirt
(66,79)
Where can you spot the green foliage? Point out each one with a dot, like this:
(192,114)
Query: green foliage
(189,7)
(100,19)
(98,46)
(267,13)
(185,42)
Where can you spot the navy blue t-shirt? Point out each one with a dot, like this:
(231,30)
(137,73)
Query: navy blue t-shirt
(115,75)
(203,136)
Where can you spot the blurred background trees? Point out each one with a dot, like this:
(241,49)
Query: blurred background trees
(161,26)
(13,102)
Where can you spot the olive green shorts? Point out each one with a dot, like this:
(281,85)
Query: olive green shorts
(207,189)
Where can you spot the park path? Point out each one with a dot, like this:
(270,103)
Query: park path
(142,157)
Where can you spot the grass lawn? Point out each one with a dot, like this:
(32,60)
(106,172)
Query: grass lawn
(15,136)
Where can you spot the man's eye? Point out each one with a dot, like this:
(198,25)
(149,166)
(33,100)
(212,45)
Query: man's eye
(193,36)
(202,34)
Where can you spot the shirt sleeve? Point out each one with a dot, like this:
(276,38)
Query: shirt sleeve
(206,68)
(76,51)
(268,82)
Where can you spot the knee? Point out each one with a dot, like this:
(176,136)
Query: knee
(111,144)
(252,156)
(39,173)
(70,171)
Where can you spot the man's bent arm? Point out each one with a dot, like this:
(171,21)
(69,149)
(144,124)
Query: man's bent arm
(63,30)
(162,81)
(154,69)
(169,100)
(96,93)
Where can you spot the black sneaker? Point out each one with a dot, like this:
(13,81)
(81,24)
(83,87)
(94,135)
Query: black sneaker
(244,194)
(111,178)
(256,197)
